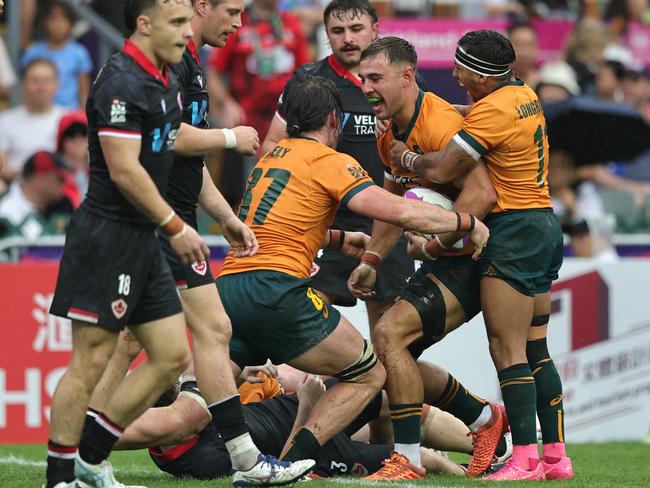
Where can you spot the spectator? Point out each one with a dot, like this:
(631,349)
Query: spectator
(584,52)
(7,74)
(70,57)
(611,73)
(557,82)
(72,146)
(310,14)
(25,206)
(259,60)
(592,238)
(619,13)
(524,39)
(636,90)
(572,198)
(31,126)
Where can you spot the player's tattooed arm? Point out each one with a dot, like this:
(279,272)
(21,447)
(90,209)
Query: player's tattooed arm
(439,167)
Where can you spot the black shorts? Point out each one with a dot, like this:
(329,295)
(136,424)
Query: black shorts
(186,276)
(113,274)
(335,267)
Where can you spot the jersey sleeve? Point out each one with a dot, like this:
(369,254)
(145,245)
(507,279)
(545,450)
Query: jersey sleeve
(120,105)
(344,177)
(485,128)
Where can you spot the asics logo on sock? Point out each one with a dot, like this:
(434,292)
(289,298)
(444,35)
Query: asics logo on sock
(555,401)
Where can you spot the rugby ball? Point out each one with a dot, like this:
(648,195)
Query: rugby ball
(433,197)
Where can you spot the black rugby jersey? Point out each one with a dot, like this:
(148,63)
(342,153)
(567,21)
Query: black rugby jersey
(131,99)
(358,135)
(187,172)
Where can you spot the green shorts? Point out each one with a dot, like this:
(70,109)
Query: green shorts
(274,316)
(460,275)
(525,249)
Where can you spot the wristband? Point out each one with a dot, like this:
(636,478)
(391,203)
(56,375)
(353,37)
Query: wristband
(465,222)
(172,224)
(372,259)
(441,244)
(408,159)
(231,138)
(181,233)
(167,219)
(433,249)
(423,248)
(337,238)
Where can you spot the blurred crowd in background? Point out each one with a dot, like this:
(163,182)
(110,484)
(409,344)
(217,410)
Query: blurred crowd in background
(596,96)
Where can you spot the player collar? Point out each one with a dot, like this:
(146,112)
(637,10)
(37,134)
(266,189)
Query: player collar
(191,47)
(405,135)
(145,63)
(340,70)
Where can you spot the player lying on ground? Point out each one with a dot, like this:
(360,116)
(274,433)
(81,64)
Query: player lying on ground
(184,442)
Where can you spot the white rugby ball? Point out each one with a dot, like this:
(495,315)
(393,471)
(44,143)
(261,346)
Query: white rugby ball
(433,197)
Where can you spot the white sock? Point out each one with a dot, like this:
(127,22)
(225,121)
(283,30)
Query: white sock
(484,418)
(411,451)
(243,452)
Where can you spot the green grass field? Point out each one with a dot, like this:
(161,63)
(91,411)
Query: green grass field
(597,465)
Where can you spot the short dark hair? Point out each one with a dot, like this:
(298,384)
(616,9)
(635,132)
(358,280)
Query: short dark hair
(309,102)
(358,8)
(489,46)
(134,8)
(396,49)
(65,8)
(25,69)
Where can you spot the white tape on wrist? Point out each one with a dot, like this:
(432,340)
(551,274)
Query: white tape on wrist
(231,138)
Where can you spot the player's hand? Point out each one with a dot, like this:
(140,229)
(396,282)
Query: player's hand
(190,247)
(381,126)
(479,237)
(414,245)
(362,281)
(241,238)
(354,244)
(128,344)
(248,141)
(396,149)
(249,373)
(310,389)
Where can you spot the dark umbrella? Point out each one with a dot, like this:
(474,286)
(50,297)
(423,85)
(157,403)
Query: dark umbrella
(596,131)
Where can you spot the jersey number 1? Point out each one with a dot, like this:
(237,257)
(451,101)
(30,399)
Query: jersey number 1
(280,179)
(539,140)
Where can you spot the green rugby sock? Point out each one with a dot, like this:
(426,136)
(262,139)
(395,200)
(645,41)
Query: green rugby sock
(550,408)
(406,422)
(304,446)
(460,402)
(519,396)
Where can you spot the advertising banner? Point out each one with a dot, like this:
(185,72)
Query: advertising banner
(435,39)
